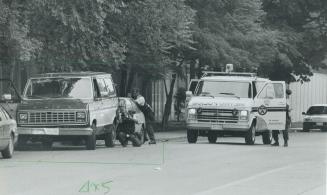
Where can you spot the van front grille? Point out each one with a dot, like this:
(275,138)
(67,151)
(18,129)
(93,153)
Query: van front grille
(218,116)
(51,117)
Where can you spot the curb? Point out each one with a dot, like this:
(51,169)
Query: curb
(171,139)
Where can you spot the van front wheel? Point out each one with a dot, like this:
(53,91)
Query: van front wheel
(91,139)
(250,135)
(192,136)
(266,137)
(212,137)
(110,137)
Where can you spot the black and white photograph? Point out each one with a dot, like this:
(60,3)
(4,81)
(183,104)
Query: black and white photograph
(163,97)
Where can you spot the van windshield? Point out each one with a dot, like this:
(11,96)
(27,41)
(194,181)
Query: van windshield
(225,88)
(317,110)
(41,88)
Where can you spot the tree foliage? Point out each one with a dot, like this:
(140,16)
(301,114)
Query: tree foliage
(302,40)
(157,39)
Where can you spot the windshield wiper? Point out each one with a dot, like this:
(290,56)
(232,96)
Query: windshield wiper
(36,97)
(231,94)
(207,94)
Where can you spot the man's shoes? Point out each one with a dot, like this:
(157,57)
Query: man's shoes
(275,144)
(152,142)
(285,144)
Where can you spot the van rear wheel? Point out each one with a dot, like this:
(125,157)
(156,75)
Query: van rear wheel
(192,136)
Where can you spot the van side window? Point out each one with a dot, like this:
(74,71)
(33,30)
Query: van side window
(279,90)
(110,86)
(250,91)
(255,92)
(96,89)
(102,87)
(193,85)
(259,85)
(267,93)
(4,114)
(1,115)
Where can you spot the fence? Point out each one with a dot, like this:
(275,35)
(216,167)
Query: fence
(306,94)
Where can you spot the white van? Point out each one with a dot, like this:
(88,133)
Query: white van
(235,104)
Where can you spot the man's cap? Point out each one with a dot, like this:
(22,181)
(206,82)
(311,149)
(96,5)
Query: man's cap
(135,89)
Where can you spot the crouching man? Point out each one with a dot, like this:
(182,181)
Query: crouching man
(126,128)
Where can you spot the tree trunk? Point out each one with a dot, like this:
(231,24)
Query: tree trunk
(122,86)
(192,69)
(130,80)
(168,104)
(145,91)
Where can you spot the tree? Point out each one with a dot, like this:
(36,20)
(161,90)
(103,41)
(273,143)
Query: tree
(72,34)
(15,44)
(302,42)
(230,32)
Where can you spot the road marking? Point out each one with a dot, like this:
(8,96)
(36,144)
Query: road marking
(237,182)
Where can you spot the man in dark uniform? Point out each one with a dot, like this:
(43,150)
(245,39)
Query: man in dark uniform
(147,111)
(287,125)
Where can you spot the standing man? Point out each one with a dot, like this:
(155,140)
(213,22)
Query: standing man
(287,125)
(147,111)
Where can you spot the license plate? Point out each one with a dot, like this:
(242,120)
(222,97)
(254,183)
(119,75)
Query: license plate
(319,124)
(51,131)
(216,127)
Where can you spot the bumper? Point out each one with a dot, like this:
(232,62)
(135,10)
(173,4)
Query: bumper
(54,131)
(313,125)
(241,126)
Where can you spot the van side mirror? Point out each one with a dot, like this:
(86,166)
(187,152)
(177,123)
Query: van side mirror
(303,113)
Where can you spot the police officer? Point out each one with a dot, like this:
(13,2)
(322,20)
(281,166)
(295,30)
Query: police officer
(147,111)
(287,125)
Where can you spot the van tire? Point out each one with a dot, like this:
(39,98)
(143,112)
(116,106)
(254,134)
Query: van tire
(266,137)
(324,129)
(212,137)
(141,134)
(110,137)
(192,136)
(9,150)
(305,129)
(21,142)
(47,144)
(250,135)
(91,139)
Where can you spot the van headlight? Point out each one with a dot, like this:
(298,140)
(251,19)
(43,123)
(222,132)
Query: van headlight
(80,116)
(244,115)
(191,114)
(192,111)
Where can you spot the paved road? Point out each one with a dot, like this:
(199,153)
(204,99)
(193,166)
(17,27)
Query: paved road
(174,167)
